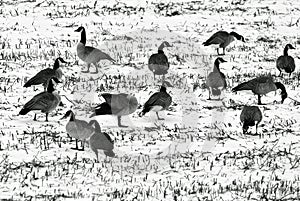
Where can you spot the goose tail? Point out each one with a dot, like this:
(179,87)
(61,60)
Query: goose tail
(109,153)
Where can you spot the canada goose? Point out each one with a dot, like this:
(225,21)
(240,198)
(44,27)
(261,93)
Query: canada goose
(250,115)
(43,76)
(223,39)
(158,101)
(78,129)
(116,104)
(158,63)
(261,86)
(101,140)
(216,80)
(88,54)
(286,62)
(45,102)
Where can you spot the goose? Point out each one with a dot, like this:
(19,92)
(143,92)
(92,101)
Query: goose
(223,39)
(116,104)
(286,62)
(90,55)
(78,129)
(158,101)
(158,63)
(261,86)
(101,140)
(43,76)
(45,102)
(250,116)
(216,80)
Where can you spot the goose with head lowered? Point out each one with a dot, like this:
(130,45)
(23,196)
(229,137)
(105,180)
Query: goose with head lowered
(285,62)
(45,102)
(101,141)
(158,101)
(43,76)
(158,63)
(88,54)
(78,129)
(250,116)
(116,104)
(216,80)
(223,39)
(261,86)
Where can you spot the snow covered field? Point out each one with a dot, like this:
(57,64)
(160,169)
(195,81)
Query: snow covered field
(199,151)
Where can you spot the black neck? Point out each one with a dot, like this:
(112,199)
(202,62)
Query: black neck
(216,66)
(50,87)
(285,51)
(83,37)
(56,65)
(72,118)
(160,52)
(279,85)
(163,89)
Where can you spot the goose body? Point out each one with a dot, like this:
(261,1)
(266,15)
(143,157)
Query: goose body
(101,141)
(250,116)
(158,63)
(88,54)
(45,102)
(223,39)
(216,80)
(285,62)
(261,86)
(116,104)
(78,129)
(43,76)
(157,102)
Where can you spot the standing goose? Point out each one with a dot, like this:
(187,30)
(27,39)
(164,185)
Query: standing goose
(158,63)
(223,39)
(116,104)
(43,76)
(78,129)
(216,80)
(101,140)
(261,86)
(45,102)
(158,101)
(250,115)
(88,54)
(286,62)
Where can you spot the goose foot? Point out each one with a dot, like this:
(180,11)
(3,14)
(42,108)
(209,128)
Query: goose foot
(85,71)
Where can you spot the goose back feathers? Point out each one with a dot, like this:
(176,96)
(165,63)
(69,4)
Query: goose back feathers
(45,102)
(250,116)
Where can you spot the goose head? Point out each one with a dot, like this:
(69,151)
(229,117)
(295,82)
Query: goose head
(69,113)
(237,36)
(96,125)
(163,45)
(217,63)
(289,47)
(81,28)
(56,63)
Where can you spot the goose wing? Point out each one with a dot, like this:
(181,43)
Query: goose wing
(41,77)
(42,101)
(217,38)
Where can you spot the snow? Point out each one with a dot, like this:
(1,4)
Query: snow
(198,152)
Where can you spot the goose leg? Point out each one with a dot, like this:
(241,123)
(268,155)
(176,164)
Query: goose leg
(119,122)
(88,68)
(47,117)
(209,94)
(82,145)
(159,117)
(223,51)
(218,51)
(96,68)
(76,144)
(256,127)
(259,99)
(34,119)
